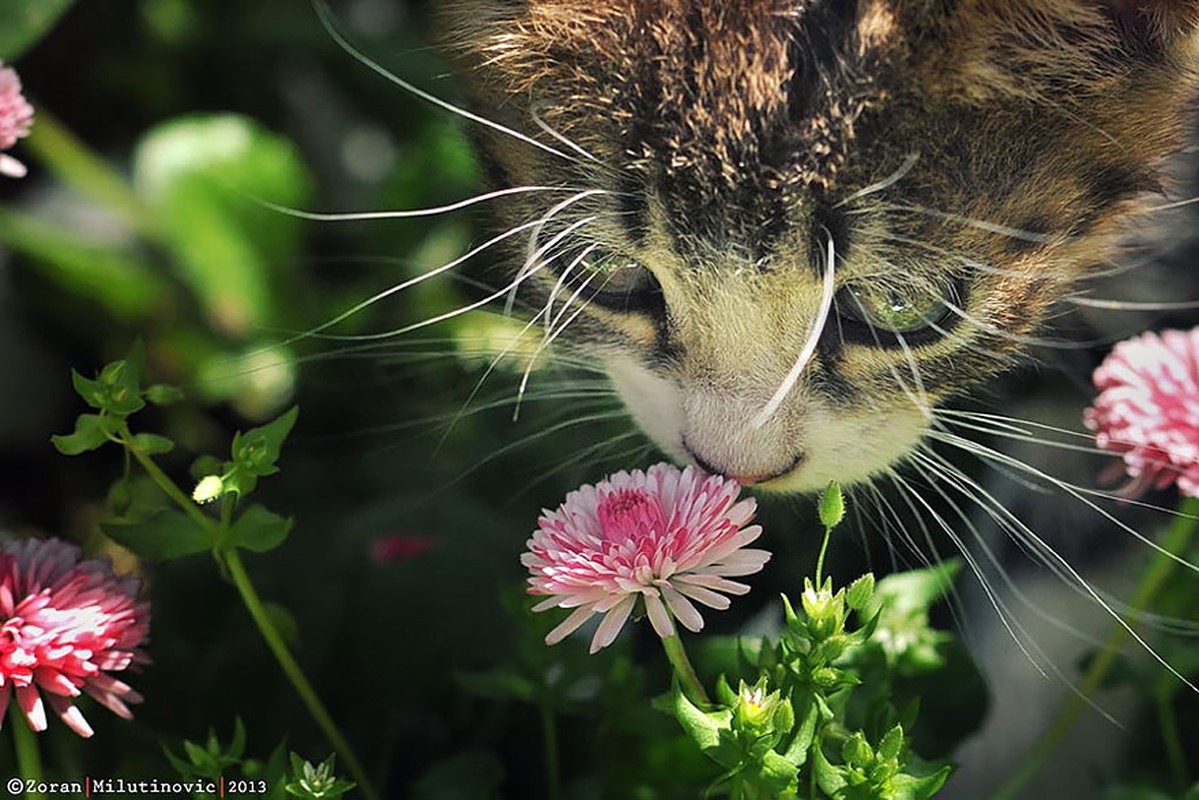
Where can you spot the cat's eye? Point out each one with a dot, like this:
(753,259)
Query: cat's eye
(617,282)
(880,313)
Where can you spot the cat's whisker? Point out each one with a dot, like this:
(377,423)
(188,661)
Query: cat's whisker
(551,334)
(886,183)
(535,115)
(325,15)
(1127,305)
(1008,231)
(547,431)
(934,468)
(535,250)
(1014,628)
(368,216)
(992,456)
(561,282)
(1029,341)
(828,293)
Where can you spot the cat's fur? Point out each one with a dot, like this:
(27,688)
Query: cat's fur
(975,156)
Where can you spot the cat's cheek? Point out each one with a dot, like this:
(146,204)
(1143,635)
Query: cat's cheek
(654,402)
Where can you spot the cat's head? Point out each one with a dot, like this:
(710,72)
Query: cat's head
(958,164)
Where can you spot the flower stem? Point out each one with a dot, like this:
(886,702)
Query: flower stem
(253,603)
(828,534)
(553,771)
(162,481)
(1175,542)
(29,762)
(683,670)
(296,675)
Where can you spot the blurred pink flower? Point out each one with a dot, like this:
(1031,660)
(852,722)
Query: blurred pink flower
(16,118)
(65,624)
(400,547)
(1148,409)
(664,536)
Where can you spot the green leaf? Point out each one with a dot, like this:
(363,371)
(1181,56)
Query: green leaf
(89,434)
(707,729)
(916,590)
(257,450)
(830,778)
(152,444)
(797,751)
(260,530)
(832,506)
(164,537)
(199,173)
(776,774)
(119,383)
(860,592)
(24,22)
(161,394)
(91,391)
(908,787)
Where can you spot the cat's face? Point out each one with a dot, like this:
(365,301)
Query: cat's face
(958,163)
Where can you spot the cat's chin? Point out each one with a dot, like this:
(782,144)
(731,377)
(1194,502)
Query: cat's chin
(813,448)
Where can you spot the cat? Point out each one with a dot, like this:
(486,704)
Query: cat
(790,230)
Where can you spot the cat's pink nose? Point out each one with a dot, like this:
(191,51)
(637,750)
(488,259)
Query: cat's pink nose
(745,478)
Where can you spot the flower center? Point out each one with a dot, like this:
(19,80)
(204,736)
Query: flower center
(630,514)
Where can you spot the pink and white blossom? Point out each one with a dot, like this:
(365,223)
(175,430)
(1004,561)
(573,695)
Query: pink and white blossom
(16,119)
(1148,409)
(664,540)
(65,626)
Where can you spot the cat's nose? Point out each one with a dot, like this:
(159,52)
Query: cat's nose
(746,477)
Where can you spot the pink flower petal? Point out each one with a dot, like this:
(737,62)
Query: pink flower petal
(664,535)
(613,621)
(64,624)
(1148,410)
(569,625)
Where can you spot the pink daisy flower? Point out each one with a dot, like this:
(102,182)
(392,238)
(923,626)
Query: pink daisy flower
(16,118)
(662,537)
(64,625)
(1148,409)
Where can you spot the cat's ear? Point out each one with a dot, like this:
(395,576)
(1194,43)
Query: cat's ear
(1155,23)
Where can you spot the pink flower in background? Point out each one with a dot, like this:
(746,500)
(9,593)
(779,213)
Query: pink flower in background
(64,625)
(16,118)
(1148,409)
(400,547)
(663,537)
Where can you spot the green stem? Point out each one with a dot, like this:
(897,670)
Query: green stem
(53,144)
(168,486)
(296,675)
(1175,542)
(553,771)
(683,670)
(253,603)
(29,762)
(828,534)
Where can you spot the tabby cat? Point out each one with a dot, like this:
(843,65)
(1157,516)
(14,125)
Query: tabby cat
(791,229)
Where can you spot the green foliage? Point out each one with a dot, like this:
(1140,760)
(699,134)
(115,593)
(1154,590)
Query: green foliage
(817,687)
(24,22)
(117,393)
(315,782)
(211,759)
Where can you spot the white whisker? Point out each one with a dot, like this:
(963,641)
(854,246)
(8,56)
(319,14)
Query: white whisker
(326,19)
(828,292)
